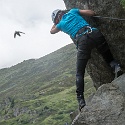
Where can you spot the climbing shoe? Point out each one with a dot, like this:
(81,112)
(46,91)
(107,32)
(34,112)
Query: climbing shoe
(81,102)
(118,71)
(116,68)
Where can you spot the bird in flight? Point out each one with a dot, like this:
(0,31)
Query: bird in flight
(18,33)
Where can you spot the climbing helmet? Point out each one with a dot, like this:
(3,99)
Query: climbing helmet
(54,14)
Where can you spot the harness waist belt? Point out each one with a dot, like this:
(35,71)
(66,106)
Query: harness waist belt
(83,31)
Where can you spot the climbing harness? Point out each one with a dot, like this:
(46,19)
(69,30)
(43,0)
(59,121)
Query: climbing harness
(83,31)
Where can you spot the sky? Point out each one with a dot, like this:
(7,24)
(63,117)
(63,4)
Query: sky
(34,18)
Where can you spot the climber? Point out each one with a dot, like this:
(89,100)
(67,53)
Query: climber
(85,38)
(17,33)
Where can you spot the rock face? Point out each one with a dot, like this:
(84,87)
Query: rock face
(113,30)
(106,106)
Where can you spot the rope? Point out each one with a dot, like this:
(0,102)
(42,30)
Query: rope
(111,18)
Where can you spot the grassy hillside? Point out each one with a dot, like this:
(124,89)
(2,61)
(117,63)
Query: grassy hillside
(41,91)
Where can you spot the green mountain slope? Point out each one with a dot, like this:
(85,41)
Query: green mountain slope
(41,91)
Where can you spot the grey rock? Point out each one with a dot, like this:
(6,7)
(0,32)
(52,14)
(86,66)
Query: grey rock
(106,107)
(120,82)
(114,32)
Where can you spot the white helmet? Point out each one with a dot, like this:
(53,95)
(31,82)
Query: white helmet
(54,14)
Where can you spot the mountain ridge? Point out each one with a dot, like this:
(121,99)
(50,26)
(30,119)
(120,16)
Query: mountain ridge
(24,69)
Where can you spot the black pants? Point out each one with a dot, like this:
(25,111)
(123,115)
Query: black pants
(85,44)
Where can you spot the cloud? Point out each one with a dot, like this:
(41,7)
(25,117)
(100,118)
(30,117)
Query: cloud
(34,18)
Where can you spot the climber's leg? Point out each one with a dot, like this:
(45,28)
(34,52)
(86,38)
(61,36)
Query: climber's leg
(84,51)
(81,64)
(104,50)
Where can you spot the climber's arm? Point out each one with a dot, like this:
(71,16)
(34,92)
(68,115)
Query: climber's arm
(87,12)
(54,29)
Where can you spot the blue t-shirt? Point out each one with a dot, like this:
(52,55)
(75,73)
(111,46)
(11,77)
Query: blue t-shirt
(71,22)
